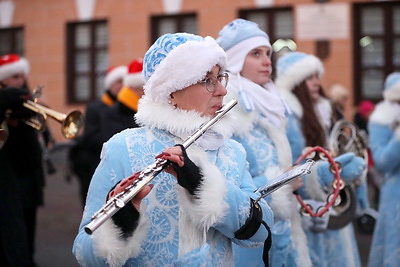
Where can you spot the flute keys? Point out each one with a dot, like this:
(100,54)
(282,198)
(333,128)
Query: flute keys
(119,203)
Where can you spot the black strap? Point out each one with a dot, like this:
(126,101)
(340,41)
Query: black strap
(267,245)
(252,225)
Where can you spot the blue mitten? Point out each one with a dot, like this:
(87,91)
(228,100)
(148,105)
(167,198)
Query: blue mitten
(352,168)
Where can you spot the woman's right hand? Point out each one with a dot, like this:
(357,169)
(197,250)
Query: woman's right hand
(121,186)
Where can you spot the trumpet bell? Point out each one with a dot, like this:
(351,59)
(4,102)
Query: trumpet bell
(72,124)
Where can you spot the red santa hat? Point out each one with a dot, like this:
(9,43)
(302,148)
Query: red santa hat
(135,78)
(113,74)
(12,64)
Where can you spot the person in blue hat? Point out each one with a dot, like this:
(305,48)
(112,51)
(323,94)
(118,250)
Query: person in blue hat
(331,242)
(190,214)
(261,125)
(384,138)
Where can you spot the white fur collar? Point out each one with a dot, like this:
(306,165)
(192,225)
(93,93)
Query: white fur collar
(386,113)
(244,121)
(293,102)
(177,121)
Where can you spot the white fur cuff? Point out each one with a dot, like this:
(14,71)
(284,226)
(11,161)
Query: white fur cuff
(108,243)
(208,206)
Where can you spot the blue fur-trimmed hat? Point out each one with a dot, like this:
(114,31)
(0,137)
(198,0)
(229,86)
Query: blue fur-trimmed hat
(176,61)
(392,87)
(238,38)
(294,67)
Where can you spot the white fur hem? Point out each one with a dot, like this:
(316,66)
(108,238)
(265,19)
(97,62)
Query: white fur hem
(109,245)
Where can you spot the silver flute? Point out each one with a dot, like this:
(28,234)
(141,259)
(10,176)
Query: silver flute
(147,175)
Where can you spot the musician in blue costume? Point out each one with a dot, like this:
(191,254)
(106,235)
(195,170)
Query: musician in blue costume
(261,129)
(298,79)
(261,122)
(384,138)
(192,216)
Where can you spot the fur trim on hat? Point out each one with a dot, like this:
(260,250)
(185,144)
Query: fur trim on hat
(114,75)
(298,72)
(10,69)
(135,80)
(392,93)
(185,65)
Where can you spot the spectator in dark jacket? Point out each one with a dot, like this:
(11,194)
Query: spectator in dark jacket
(85,154)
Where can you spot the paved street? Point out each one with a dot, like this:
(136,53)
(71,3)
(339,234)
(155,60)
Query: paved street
(59,219)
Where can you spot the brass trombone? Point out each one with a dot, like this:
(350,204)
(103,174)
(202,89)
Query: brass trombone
(71,123)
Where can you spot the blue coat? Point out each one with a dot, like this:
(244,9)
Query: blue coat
(174,227)
(268,153)
(384,138)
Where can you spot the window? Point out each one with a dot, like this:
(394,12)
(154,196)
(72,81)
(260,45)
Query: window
(87,60)
(376,47)
(12,41)
(171,24)
(278,24)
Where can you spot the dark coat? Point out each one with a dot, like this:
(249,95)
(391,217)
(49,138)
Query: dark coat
(14,250)
(117,118)
(84,156)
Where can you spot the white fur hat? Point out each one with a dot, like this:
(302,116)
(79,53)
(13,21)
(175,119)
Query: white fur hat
(113,74)
(392,87)
(176,61)
(12,64)
(294,67)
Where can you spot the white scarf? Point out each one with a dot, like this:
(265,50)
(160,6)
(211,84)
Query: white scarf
(210,140)
(263,99)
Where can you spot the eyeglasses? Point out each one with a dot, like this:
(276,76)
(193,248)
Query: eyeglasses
(211,82)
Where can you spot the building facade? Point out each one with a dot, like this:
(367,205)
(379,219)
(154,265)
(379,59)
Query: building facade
(70,43)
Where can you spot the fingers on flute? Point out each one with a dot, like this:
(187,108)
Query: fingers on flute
(173,157)
(124,183)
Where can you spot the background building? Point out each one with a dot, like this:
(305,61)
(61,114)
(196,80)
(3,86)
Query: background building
(70,43)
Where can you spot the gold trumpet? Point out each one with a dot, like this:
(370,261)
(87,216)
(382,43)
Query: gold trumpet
(71,123)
